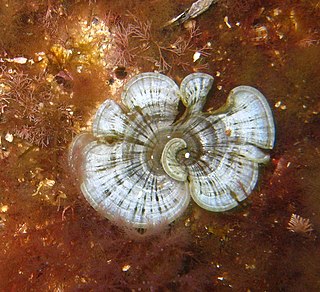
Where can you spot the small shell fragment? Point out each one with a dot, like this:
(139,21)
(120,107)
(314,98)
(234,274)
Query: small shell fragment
(126,268)
(4,208)
(18,60)
(196,56)
(226,21)
(197,8)
(9,137)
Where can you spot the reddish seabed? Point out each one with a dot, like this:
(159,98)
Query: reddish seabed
(53,77)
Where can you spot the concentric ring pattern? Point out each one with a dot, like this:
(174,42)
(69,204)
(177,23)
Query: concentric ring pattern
(142,164)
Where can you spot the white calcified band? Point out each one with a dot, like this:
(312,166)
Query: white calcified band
(142,165)
(169,161)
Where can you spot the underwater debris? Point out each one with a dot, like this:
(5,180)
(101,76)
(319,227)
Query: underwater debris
(299,224)
(44,186)
(195,10)
(142,166)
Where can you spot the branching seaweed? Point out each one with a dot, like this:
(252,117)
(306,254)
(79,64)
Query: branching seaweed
(34,109)
(136,40)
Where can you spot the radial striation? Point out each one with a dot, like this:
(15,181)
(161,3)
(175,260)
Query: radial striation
(141,165)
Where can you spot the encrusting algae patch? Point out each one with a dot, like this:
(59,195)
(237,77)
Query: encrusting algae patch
(60,60)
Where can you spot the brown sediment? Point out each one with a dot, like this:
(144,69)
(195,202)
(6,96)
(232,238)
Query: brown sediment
(51,239)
